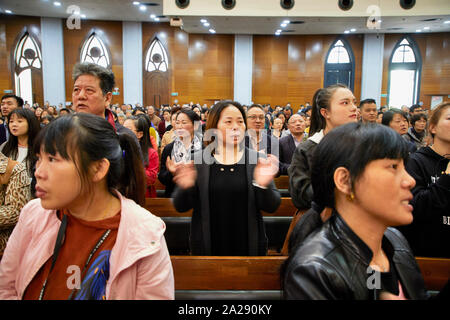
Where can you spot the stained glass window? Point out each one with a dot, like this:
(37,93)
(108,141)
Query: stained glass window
(156,57)
(95,51)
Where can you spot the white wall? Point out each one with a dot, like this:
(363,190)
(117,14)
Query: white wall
(243,68)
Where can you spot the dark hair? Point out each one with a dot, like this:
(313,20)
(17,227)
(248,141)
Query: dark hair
(190,114)
(105,76)
(11,146)
(321,99)
(19,100)
(138,109)
(216,111)
(143,126)
(84,138)
(352,146)
(65,109)
(388,116)
(414,107)
(367,101)
(255,105)
(417,117)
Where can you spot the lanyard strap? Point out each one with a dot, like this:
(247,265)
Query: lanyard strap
(58,244)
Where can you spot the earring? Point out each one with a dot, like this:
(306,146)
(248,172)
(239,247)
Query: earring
(350,197)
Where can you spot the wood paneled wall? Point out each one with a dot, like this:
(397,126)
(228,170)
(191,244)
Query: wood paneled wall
(200,65)
(434,49)
(10,29)
(111,33)
(291,68)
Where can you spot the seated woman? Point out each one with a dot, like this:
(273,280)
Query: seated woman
(333,106)
(429,234)
(181,149)
(228,187)
(358,171)
(139,126)
(86,237)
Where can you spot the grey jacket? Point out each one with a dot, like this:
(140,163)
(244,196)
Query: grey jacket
(197,198)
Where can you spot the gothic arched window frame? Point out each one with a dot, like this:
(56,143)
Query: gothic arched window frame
(340,66)
(26,57)
(152,65)
(403,65)
(93,36)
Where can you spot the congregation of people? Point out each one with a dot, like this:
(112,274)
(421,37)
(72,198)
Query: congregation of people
(374,181)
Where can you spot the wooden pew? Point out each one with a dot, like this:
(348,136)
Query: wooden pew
(163,207)
(282,182)
(260,274)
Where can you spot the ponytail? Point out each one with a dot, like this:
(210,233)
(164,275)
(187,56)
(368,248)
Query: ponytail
(132,182)
(321,99)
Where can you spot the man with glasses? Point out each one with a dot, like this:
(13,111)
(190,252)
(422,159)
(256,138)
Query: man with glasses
(257,137)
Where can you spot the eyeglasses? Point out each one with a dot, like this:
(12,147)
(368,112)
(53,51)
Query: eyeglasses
(256,117)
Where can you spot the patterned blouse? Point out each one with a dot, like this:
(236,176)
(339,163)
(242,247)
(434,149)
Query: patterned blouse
(13,196)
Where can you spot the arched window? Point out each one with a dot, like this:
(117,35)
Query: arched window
(27,58)
(95,51)
(404,74)
(156,58)
(339,64)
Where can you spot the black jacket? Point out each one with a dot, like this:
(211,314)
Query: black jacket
(333,264)
(287,148)
(429,233)
(164,174)
(197,197)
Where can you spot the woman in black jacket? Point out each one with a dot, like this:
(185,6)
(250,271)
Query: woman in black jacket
(358,171)
(228,187)
(429,234)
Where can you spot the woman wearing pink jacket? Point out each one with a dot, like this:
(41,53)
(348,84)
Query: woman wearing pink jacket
(86,236)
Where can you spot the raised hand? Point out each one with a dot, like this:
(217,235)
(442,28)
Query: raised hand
(265,170)
(185,175)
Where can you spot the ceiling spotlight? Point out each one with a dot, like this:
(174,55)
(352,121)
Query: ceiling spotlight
(57,4)
(418,30)
(283,25)
(83,16)
(142,8)
(8,11)
(212,30)
(426,28)
(136,3)
(447,22)
(352,30)
(346,31)
(152,16)
(277,33)
(203,20)
(286,21)
(156,19)
(206,24)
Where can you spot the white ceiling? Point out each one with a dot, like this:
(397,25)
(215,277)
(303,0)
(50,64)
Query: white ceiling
(307,16)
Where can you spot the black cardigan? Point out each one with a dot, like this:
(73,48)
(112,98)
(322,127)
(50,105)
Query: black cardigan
(197,197)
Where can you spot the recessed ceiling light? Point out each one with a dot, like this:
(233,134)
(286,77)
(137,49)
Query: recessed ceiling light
(447,22)
(136,3)
(279,31)
(142,8)
(212,30)
(352,30)
(156,19)
(56,3)
(426,28)
(283,25)
(286,21)
(8,11)
(203,20)
(83,16)
(206,24)
(152,16)
(346,31)
(418,30)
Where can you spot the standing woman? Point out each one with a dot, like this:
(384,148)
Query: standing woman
(429,234)
(23,127)
(228,187)
(333,106)
(87,236)
(139,126)
(358,171)
(186,142)
(277,128)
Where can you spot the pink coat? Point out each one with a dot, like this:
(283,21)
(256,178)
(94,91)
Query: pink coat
(140,263)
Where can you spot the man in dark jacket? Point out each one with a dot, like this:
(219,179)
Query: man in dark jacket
(296,126)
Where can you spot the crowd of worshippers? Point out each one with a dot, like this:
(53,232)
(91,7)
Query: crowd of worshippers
(81,174)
